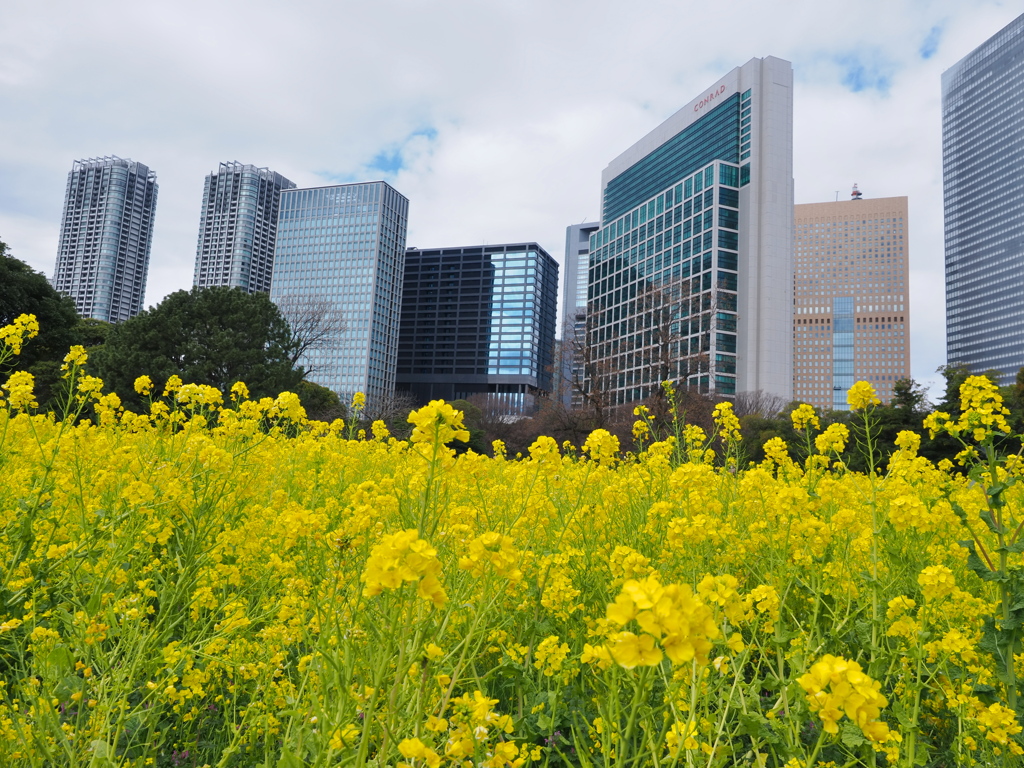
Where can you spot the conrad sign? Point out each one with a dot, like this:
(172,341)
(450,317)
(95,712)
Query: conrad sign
(711,98)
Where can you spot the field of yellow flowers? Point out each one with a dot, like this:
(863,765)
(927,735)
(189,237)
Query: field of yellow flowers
(219,582)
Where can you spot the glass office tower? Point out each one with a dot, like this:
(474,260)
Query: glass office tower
(238,227)
(691,271)
(574,310)
(982,167)
(479,321)
(342,248)
(105,237)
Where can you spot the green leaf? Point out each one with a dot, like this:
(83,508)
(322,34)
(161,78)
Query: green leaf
(977,565)
(996,488)
(904,715)
(289,759)
(100,748)
(958,511)
(986,515)
(757,726)
(60,656)
(851,736)
(770,683)
(69,685)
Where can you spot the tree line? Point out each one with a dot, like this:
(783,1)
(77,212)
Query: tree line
(214,336)
(218,336)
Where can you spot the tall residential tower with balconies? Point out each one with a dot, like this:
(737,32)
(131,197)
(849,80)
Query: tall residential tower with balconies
(105,237)
(238,227)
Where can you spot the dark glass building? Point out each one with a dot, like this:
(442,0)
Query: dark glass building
(478,321)
(982,167)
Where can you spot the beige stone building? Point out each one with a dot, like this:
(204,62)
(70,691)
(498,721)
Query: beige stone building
(851,308)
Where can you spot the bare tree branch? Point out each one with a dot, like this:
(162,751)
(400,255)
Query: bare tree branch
(315,322)
(759,403)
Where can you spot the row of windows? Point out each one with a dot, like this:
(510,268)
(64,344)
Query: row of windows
(715,136)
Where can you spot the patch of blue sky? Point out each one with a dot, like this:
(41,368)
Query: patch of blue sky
(863,72)
(390,160)
(387,161)
(931,42)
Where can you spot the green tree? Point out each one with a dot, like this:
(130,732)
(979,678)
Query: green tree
(321,403)
(25,291)
(214,336)
(911,398)
(472,420)
(50,388)
(905,412)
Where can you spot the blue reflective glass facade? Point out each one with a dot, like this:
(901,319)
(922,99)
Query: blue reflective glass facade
(716,136)
(238,227)
(662,301)
(842,350)
(691,271)
(478,320)
(105,237)
(983,164)
(343,247)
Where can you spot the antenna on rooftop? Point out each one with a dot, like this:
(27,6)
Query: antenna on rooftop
(855,195)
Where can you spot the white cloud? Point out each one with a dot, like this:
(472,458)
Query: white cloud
(529,101)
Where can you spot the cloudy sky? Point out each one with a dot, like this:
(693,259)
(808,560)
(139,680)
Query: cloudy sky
(494,117)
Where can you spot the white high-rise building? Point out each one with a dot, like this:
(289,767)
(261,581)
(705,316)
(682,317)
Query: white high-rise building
(238,227)
(691,273)
(105,237)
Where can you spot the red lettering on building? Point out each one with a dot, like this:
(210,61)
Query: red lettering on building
(708,99)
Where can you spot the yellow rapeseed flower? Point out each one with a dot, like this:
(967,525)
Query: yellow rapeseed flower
(20,389)
(14,335)
(631,651)
(862,395)
(437,423)
(803,417)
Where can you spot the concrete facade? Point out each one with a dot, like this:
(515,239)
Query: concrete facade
(851,318)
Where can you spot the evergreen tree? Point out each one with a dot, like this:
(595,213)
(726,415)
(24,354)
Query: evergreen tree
(214,336)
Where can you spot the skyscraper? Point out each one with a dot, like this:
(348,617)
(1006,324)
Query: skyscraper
(105,237)
(238,227)
(574,309)
(341,251)
(691,271)
(982,167)
(851,316)
(479,320)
